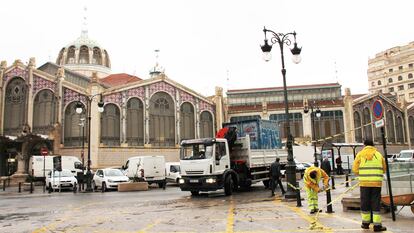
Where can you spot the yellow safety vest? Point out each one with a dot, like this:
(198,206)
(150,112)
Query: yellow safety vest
(371,171)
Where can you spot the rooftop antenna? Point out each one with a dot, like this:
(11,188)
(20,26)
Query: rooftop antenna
(85,22)
(227,79)
(336,73)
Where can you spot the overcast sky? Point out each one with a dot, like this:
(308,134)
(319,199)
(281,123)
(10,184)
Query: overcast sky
(211,43)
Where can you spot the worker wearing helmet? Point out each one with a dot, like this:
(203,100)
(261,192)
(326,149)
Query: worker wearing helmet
(311,179)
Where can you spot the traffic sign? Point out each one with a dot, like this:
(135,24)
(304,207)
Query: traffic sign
(379,123)
(44,151)
(377,109)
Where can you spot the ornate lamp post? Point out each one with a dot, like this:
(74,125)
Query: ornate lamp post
(79,110)
(282,39)
(317,114)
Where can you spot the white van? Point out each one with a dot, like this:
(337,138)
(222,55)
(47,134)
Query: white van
(71,163)
(172,171)
(147,168)
(405,156)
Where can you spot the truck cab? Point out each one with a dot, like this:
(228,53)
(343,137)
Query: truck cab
(204,163)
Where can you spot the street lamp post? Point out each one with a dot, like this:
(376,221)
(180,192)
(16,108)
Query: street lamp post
(282,39)
(317,114)
(82,124)
(79,110)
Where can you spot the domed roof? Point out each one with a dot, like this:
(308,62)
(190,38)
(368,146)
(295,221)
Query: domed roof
(85,56)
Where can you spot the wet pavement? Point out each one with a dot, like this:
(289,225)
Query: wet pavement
(172,210)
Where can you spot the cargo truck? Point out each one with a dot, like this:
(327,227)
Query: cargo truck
(227,162)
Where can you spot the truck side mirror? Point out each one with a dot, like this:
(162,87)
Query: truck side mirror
(217,162)
(123,167)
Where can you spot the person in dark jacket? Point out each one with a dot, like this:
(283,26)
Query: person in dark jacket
(339,169)
(326,166)
(275,177)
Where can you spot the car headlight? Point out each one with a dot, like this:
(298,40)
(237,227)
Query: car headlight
(210,180)
(181,181)
(110,181)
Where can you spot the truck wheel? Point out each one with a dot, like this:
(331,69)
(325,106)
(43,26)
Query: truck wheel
(266,183)
(228,186)
(195,193)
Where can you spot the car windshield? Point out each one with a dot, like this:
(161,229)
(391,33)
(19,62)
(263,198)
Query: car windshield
(63,173)
(113,172)
(196,151)
(406,155)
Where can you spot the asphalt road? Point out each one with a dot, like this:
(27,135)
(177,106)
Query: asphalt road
(171,210)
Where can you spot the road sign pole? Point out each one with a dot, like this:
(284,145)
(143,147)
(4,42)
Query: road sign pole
(384,144)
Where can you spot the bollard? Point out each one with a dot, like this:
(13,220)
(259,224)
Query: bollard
(20,187)
(333,180)
(8,181)
(346,179)
(75,188)
(4,185)
(328,202)
(31,186)
(298,200)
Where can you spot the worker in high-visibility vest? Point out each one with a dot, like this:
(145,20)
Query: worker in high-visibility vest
(311,180)
(370,166)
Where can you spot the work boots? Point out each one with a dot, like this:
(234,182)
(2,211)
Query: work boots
(378,228)
(365,225)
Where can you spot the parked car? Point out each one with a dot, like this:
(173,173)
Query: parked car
(172,171)
(146,168)
(63,180)
(108,178)
(405,156)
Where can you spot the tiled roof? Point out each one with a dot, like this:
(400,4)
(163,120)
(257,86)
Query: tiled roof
(288,87)
(119,79)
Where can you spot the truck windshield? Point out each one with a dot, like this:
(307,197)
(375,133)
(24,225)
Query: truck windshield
(196,151)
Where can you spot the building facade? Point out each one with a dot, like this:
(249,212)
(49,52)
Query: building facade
(141,116)
(391,71)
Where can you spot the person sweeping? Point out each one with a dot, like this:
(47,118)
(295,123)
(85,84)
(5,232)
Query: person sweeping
(311,179)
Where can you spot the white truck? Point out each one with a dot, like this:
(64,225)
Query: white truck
(147,168)
(209,164)
(71,163)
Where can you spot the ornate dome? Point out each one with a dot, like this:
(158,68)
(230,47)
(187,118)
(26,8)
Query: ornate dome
(85,56)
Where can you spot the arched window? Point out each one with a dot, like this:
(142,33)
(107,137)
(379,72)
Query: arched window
(390,80)
(411,128)
(206,125)
(72,130)
(84,55)
(390,127)
(367,124)
(44,112)
(379,82)
(400,130)
(187,127)
(135,122)
(110,124)
(162,120)
(60,60)
(15,107)
(107,61)
(71,55)
(400,78)
(357,125)
(97,56)
(410,75)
